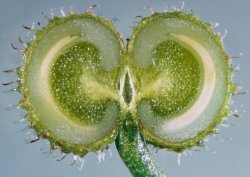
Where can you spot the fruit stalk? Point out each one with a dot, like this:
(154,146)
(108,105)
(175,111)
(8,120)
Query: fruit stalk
(133,151)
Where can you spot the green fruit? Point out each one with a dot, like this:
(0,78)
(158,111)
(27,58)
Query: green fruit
(83,89)
(183,79)
(70,82)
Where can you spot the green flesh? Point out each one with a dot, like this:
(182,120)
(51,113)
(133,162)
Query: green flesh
(81,88)
(176,79)
(69,88)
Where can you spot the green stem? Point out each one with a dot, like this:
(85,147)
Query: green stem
(134,152)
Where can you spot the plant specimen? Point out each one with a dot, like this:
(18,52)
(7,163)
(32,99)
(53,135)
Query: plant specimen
(83,88)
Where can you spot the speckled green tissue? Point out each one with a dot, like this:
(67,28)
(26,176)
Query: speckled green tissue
(84,89)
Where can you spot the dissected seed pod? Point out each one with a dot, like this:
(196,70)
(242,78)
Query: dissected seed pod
(70,77)
(170,86)
(183,79)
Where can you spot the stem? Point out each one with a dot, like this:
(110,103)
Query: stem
(134,152)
